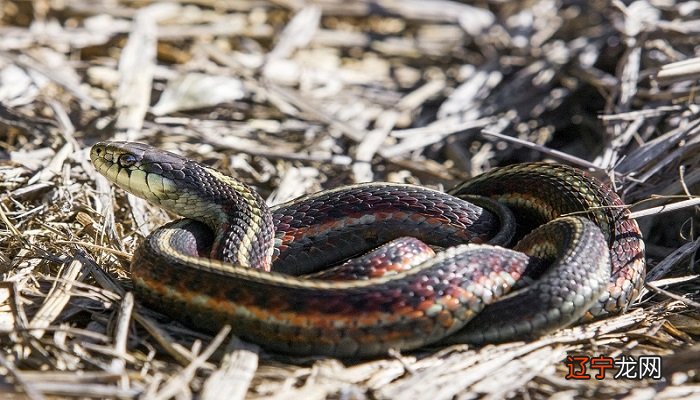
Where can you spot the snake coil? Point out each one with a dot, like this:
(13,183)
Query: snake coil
(235,261)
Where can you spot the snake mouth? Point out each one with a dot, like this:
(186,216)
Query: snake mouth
(157,176)
(115,164)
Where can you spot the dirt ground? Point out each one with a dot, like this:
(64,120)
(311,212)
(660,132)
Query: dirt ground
(297,96)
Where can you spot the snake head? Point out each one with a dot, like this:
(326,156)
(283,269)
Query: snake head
(165,179)
(231,209)
(142,170)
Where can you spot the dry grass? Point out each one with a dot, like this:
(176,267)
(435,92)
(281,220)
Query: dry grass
(294,97)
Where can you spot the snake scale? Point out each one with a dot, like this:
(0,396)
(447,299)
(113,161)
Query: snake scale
(235,261)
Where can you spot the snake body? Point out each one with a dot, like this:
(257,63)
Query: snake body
(212,268)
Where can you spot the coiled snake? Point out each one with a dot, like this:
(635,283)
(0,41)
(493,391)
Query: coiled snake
(212,268)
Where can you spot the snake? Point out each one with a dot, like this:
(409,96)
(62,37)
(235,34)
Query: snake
(512,254)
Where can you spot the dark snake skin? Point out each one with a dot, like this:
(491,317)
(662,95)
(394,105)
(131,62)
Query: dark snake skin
(174,272)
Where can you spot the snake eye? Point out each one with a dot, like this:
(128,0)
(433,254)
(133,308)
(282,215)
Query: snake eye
(127,160)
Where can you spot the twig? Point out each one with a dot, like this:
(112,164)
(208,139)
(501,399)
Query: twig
(550,152)
(665,208)
(175,384)
(29,389)
(674,296)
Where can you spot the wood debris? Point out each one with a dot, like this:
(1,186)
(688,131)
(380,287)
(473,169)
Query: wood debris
(298,96)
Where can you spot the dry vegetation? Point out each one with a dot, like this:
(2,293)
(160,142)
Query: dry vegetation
(294,96)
